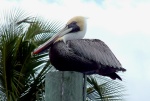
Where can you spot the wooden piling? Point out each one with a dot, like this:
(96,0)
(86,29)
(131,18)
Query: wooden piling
(64,86)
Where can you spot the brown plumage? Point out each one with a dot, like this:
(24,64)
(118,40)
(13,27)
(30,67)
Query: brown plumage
(86,56)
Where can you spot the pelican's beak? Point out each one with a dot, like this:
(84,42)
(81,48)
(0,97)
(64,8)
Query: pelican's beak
(48,43)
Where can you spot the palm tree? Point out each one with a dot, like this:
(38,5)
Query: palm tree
(22,75)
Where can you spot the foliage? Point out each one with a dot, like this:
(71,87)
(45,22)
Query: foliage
(104,89)
(21,74)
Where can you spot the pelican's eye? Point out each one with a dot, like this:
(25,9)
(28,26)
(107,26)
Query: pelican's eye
(74,26)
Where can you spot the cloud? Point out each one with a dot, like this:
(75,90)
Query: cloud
(119,17)
(123,17)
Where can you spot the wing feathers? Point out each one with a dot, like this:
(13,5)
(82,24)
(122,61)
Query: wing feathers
(94,50)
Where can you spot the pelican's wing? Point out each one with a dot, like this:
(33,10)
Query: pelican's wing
(95,50)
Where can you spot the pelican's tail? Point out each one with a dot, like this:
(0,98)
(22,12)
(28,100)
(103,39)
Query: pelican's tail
(114,76)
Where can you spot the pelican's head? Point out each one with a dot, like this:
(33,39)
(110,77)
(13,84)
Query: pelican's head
(74,29)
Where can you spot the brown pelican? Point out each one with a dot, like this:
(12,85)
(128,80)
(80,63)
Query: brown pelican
(69,52)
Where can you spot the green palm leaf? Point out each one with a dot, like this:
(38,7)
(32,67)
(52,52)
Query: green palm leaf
(21,74)
(103,89)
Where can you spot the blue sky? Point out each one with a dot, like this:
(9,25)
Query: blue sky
(122,24)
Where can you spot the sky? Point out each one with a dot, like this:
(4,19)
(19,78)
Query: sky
(122,24)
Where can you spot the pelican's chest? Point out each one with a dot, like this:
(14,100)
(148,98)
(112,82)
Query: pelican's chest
(59,55)
(58,51)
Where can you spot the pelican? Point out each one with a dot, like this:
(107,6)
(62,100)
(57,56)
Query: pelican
(70,52)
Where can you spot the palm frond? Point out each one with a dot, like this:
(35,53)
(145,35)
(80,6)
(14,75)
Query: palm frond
(103,89)
(21,74)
